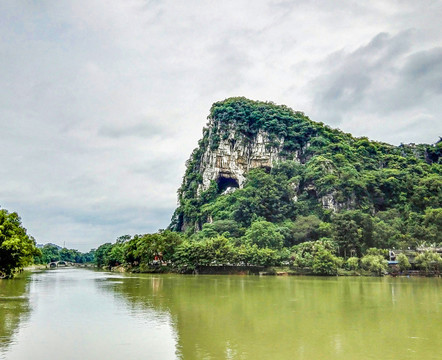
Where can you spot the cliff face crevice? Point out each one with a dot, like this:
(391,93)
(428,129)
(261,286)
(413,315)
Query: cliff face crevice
(233,158)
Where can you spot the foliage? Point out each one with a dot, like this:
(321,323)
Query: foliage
(304,255)
(139,249)
(306,228)
(352,263)
(102,254)
(51,252)
(383,196)
(264,234)
(375,264)
(377,252)
(330,197)
(428,261)
(17,249)
(346,233)
(403,262)
(220,251)
(325,263)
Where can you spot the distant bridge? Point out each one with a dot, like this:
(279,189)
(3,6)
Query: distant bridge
(56,264)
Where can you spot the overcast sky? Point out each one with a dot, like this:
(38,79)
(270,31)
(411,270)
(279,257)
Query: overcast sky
(102,102)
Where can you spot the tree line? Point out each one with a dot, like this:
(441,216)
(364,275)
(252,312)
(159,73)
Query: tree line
(51,253)
(261,246)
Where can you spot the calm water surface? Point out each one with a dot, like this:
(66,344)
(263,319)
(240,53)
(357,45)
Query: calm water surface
(84,314)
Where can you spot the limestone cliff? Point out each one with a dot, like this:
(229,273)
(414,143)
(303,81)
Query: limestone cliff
(332,171)
(233,158)
(232,145)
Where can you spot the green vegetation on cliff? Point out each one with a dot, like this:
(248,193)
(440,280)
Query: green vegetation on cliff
(385,195)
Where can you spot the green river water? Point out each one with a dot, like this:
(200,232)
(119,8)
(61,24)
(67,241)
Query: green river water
(85,314)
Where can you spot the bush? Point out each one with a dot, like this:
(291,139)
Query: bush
(403,262)
(352,263)
(374,263)
(428,261)
(325,263)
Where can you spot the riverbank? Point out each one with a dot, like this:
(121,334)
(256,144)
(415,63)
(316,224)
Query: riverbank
(36,267)
(261,271)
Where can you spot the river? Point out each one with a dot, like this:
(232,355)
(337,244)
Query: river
(84,314)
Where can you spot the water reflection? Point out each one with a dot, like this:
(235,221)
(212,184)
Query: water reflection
(14,308)
(85,314)
(77,315)
(219,317)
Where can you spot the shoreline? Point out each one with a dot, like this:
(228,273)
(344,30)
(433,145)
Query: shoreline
(262,271)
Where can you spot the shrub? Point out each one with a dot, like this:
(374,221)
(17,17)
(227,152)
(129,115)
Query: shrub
(352,263)
(403,262)
(325,263)
(428,261)
(374,263)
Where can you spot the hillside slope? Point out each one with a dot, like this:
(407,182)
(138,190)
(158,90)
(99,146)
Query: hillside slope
(261,161)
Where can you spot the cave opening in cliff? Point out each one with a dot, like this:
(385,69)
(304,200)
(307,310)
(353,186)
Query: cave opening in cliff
(226,184)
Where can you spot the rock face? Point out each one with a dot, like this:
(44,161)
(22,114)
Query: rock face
(232,145)
(233,158)
(327,170)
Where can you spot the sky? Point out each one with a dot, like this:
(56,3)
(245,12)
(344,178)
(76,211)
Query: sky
(102,101)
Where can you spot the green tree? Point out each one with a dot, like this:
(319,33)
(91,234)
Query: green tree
(428,261)
(306,228)
(403,262)
(116,256)
(264,234)
(352,263)
(433,223)
(374,263)
(102,254)
(50,252)
(325,263)
(17,249)
(346,233)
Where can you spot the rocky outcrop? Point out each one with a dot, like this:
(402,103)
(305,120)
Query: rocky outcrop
(234,157)
(329,202)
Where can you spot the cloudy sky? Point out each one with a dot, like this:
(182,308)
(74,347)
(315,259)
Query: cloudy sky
(102,101)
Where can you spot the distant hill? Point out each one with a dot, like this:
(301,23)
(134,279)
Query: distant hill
(40,246)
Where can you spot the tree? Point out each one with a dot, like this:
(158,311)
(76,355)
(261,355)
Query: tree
(428,261)
(116,255)
(352,263)
(325,263)
(403,262)
(374,263)
(433,223)
(306,228)
(102,254)
(319,255)
(264,234)
(50,252)
(17,249)
(346,233)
